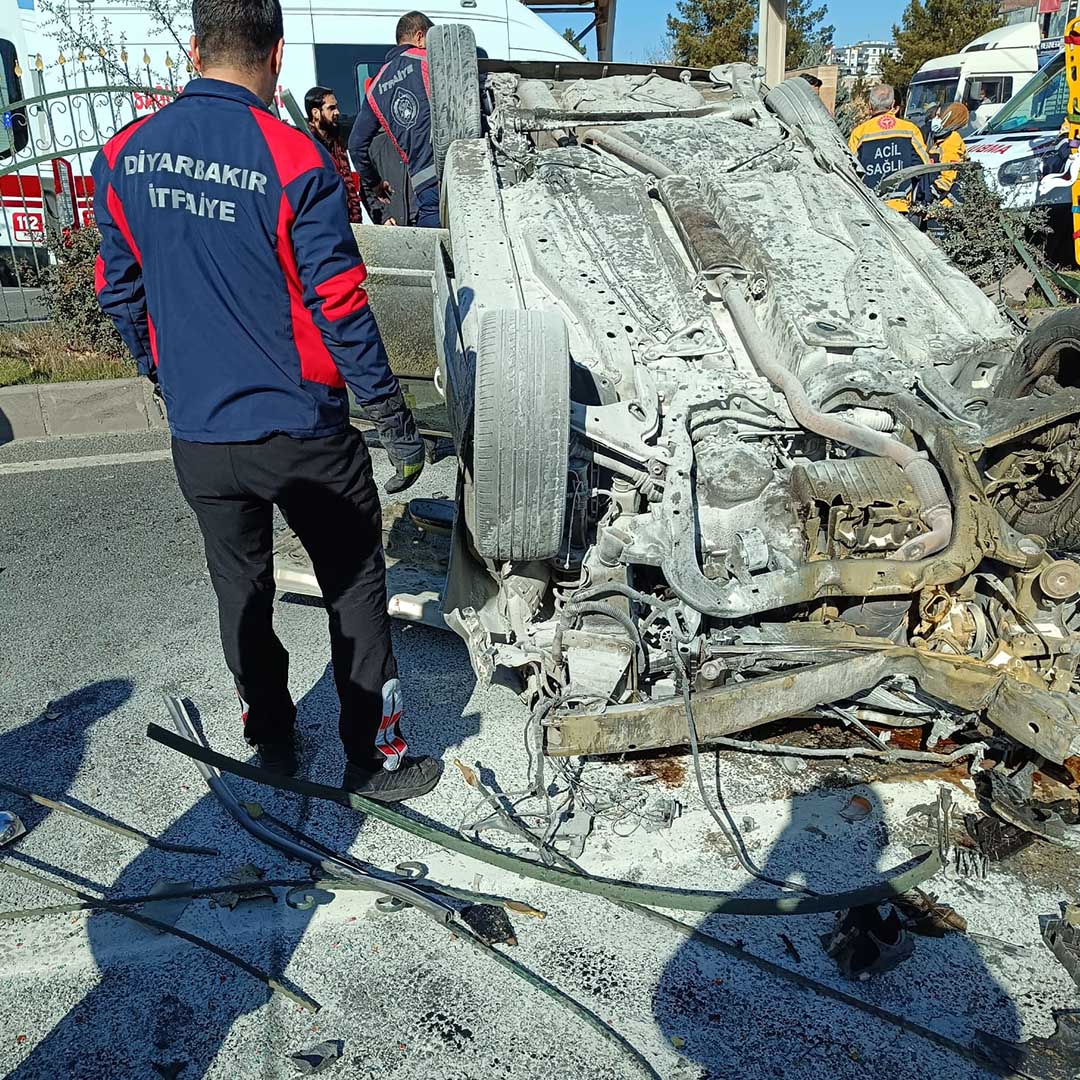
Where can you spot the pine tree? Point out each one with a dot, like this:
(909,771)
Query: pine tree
(710,32)
(933,28)
(808,40)
(571,34)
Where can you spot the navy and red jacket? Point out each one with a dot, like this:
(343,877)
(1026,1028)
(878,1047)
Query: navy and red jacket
(230,269)
(397,101)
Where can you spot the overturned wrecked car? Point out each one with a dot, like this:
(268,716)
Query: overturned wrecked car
(736,442)
(731,432)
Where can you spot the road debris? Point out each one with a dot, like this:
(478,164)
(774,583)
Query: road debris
(168,908)
(868,940)
(925,865)
(995,840)
(944,823)
(319,1058)
(1062,937)
(251,878)
(858,809)
(789,948)
(1057,822)
(11,827)
(970,863)
(490,923)
(924,914)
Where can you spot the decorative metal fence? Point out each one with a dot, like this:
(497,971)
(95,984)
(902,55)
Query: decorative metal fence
(47,146)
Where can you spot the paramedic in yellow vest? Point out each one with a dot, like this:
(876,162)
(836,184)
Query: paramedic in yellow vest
(887,143)
(947,144)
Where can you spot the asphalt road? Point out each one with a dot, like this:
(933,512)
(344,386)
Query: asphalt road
(104,600)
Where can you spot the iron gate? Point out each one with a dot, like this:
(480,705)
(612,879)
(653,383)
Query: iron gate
(47,145)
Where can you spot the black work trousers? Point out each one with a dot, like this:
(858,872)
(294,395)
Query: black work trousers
(326,492)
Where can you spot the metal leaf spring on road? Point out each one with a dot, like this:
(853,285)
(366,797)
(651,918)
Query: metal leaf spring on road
(346,868)
(724,903)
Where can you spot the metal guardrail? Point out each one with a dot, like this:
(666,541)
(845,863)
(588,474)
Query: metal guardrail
(47,145)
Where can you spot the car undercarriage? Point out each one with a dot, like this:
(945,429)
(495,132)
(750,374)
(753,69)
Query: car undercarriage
(737,443)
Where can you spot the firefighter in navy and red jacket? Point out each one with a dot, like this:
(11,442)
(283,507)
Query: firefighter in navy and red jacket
(230,269)
(398,101)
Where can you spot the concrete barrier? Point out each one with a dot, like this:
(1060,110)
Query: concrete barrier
(104,407)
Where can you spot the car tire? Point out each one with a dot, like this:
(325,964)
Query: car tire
(796,102)
(1047,360)
(1051,350)
(1049,508)
(455,87)
(521,435)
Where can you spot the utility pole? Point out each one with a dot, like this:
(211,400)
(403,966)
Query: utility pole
(772,39)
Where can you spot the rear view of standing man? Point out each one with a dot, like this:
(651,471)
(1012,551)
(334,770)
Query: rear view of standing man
(887,143)
(398,102)
(229,267)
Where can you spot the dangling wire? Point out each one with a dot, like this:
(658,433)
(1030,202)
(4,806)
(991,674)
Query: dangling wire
(726,822)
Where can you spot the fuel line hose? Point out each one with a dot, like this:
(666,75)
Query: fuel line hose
(927,863)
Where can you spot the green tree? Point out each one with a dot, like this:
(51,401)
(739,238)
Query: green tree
(808,38)
(933,28)
(709,32)
(570,34)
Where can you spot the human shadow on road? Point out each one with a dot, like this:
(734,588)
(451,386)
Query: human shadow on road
(177,1005)
(728,1018)
(6,431)
(45,754)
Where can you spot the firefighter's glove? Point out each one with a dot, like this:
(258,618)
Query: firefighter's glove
(400,440)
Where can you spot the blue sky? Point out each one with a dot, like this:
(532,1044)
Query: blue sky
(641,24)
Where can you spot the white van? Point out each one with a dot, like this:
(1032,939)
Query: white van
(983,75)
(333,43)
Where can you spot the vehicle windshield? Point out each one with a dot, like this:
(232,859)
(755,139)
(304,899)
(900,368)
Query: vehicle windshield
(1040,106)
(923,95)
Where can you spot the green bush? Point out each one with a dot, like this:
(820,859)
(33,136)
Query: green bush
(67,290)
(975,230)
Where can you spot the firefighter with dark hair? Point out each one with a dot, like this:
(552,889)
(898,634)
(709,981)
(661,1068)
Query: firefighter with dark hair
(397,101)
(230,269)
(324,122)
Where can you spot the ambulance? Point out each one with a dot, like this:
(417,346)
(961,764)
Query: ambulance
(332,43)
(1023,144)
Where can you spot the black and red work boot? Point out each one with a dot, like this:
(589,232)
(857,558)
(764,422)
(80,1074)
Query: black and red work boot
(278,756)
(414,776)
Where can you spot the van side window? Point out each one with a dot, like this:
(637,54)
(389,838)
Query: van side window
(992,90)
(14,133)
(335,68)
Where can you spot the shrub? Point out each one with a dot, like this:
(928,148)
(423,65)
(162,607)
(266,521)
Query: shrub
(67,290)
(975,230)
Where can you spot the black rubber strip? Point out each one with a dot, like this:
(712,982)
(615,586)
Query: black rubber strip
(926,865)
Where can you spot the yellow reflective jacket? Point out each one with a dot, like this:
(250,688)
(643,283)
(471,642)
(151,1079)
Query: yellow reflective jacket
(886,144)
(951,148)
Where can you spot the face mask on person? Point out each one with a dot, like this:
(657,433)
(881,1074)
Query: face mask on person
(936,126)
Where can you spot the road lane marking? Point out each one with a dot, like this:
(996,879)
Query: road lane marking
(11,468)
